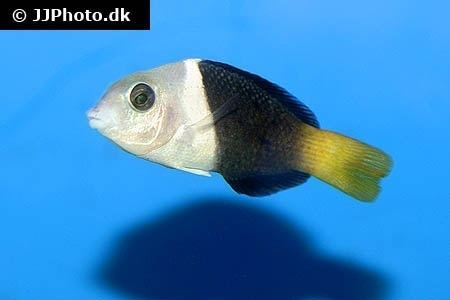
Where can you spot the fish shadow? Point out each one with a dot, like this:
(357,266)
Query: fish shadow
(220,249)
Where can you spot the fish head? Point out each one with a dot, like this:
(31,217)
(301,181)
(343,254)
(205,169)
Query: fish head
(140,112)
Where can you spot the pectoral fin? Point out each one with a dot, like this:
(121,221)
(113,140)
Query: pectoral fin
(209,120)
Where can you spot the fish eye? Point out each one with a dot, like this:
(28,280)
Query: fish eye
(142,97)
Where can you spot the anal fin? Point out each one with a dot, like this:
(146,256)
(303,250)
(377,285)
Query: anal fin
(263,185)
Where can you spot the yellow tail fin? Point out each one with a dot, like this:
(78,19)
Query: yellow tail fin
(347,164)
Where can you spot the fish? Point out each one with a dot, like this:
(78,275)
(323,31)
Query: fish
(203,116)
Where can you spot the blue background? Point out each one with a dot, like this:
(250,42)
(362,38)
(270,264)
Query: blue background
(375,70)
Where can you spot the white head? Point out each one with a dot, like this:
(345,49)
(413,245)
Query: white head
(141,112)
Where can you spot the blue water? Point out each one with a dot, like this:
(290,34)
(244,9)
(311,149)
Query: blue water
(81,219)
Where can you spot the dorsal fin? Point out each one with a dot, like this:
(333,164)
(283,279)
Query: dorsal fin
(295,106)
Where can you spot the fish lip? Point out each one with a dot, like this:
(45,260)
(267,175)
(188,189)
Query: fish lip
(95,124)
(92,114)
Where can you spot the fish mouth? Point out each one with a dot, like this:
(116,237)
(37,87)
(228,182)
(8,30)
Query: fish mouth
(94,121)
